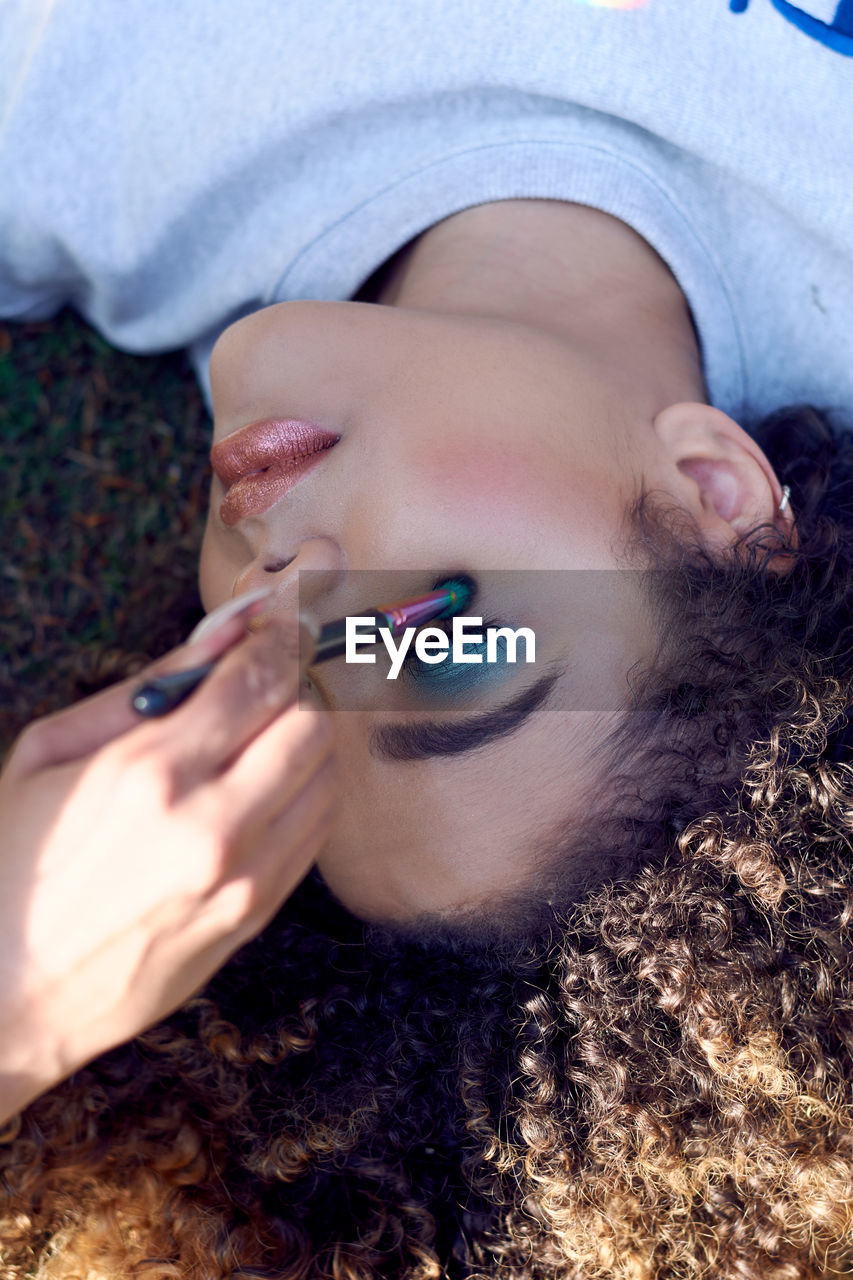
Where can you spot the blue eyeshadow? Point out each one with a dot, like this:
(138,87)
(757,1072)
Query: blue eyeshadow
(448,678)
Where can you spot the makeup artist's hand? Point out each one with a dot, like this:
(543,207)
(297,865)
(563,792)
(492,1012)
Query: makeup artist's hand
(137,856)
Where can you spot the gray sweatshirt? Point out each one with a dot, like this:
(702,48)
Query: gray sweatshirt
(167,166)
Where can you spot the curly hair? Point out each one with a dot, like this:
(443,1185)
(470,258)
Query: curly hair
(649,1080)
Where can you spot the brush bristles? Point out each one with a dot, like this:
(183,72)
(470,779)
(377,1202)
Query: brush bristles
(464,590)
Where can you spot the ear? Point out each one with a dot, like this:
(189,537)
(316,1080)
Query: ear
(720,475)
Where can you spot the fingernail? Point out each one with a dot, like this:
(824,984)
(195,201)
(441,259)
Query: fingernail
(245,606)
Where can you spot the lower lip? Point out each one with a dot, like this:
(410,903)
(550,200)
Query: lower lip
(265,460)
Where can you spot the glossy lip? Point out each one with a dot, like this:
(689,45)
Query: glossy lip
(261,462)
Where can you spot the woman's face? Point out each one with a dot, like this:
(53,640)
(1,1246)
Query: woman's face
(466,444)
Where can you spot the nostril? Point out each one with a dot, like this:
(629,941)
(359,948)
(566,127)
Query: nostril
(277,565)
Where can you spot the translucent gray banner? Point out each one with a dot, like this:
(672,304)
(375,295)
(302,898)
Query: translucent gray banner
(569,640)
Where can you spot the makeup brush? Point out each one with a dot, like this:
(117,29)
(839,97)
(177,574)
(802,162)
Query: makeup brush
(446,599)
(159,696)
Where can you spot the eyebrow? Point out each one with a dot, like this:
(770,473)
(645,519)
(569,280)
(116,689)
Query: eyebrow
(419,741)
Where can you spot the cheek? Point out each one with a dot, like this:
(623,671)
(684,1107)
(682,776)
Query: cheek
(484,479)
(524,495)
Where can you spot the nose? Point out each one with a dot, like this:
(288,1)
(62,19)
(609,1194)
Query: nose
(299,581)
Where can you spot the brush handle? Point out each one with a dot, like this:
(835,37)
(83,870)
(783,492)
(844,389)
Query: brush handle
(159,697)
(333,637)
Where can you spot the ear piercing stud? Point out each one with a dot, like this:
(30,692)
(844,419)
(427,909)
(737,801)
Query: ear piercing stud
(785,500)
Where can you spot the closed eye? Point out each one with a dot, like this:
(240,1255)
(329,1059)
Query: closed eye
(421,739)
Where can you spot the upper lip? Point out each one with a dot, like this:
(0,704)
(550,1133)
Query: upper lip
(264,459)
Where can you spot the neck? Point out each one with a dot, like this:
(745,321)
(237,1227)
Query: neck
(577,273)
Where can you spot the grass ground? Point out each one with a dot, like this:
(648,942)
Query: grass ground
(103,490)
